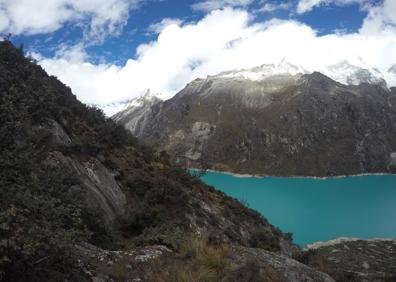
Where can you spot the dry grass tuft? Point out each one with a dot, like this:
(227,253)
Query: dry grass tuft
(196,261)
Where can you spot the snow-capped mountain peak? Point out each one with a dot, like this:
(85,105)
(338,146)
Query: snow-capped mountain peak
(350,74)
(285,66)
(392,69)
(138,111)
(263,71)
(147,98)
(344,72)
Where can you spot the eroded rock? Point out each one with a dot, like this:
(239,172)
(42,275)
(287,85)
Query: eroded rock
(349,259)
(286,269)
(102,190)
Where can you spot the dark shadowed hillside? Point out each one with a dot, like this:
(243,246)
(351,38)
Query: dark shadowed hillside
(69,176)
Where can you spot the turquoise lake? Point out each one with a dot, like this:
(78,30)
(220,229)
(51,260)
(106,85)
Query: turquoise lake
(318,209)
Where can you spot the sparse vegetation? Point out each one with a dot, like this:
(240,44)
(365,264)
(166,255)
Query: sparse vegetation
(43,208)
(196,260)
(119,270)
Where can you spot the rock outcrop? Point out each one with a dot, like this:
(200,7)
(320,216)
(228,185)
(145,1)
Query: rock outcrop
(102,191)
(138,112)
(240,264)
(354,259)
(283,268)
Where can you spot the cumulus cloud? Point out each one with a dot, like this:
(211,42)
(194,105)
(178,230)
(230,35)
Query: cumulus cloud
(98,18)
(158,27)
(210,5)
(268,7)
(380,18)
(222,40)
(304,6)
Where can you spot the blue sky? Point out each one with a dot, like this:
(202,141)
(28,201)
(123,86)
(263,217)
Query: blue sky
(117,49)
(110,51)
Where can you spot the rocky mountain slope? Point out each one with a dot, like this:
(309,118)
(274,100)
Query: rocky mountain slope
(83,201)
(344,72)
(278,121)
(348,259)
(138,112)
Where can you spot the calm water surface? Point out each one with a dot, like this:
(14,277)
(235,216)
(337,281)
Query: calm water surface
(318,209)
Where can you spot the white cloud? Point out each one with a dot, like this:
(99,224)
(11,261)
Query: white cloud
(210,5)
(158,27)
(274,6)
(380,18)
(4,21)
(97,17)
(304,6)
(222,40)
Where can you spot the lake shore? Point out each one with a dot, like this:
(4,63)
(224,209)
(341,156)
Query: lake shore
(320,244)
(317,210)
(241,175)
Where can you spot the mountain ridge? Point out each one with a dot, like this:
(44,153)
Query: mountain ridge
(82,200)
(343,72)
(268,114)
(73,181)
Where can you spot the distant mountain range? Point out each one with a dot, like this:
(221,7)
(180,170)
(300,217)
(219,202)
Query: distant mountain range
(276,119)
(343,72)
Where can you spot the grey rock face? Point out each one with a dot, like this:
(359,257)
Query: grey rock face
(392,161)
(354,259)
(102,191)
(105,191)
(200,132)
(138,113)
(286,269)
(59,135)
(392,69)
(298,125)
(97,263)
(256,264)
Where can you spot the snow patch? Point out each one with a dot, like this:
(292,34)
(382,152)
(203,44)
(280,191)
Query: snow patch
(263,71)
(343,72)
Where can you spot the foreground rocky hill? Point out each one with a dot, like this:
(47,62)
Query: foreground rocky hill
(277,124)
(71,180)
(351,259)
(81,200)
